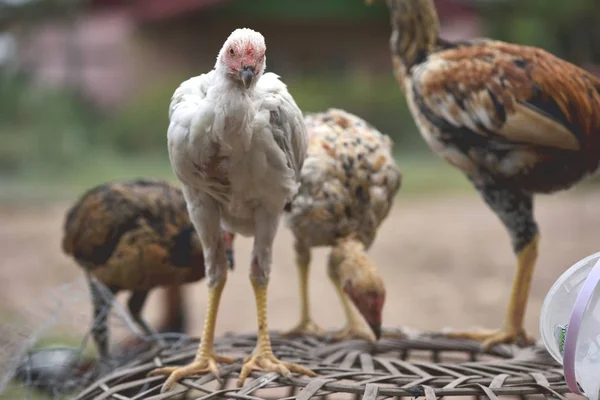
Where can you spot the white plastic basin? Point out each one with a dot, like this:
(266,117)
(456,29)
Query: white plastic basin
(566,307)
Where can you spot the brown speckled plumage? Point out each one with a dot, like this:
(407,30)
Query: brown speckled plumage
(348,185)
(349,180)
(133,235)
(515,119)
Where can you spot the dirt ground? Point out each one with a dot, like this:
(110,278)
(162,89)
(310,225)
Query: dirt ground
(446,262)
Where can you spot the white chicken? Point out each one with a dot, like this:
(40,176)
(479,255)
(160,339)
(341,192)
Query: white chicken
(237,142)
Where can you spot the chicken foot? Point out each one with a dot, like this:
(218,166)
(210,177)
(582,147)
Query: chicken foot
(206,218)
(263,358)
(306,326)
(513,331)
(206,359)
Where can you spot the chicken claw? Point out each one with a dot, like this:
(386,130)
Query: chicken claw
(204,365)
(308,328)
(491,337)
(353,331)
(267,362)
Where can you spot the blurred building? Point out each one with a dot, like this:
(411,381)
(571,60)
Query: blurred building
(115,47)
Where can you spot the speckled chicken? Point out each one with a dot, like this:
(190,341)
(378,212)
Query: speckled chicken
(348,185)
(134,236)
(516,120)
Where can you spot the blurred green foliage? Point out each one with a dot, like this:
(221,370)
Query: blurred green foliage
(52,127)
(41,129)
(141,126)
(52,133)
(376,98)
(569,29)
(34,11)
(55,147)
(304,10)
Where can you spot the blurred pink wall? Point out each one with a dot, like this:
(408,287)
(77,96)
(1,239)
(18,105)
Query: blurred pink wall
(109,54)
(94,54)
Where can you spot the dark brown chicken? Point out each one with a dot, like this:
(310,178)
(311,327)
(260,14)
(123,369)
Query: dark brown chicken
(135,235)
(515,119)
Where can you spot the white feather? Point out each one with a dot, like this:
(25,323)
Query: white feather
(260,132)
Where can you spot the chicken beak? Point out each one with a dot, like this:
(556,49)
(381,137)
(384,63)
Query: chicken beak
(376,328)
(247,76)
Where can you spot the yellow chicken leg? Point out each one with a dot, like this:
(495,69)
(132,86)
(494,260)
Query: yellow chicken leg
(513,330)
(306,326)
(263,359)
(354,328)
(206,359)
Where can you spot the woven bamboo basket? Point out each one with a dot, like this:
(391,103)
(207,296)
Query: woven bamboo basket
(417,365)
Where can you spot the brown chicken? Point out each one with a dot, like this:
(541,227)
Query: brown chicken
(348,185)
(134,235)
(516,120)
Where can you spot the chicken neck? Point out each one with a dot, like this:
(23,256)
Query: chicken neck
(345,266)
(354,328)
(347,262)
(415,30)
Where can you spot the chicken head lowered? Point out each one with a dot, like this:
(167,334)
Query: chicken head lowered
(237,142)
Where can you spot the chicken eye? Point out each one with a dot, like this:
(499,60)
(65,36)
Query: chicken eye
(231,52)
